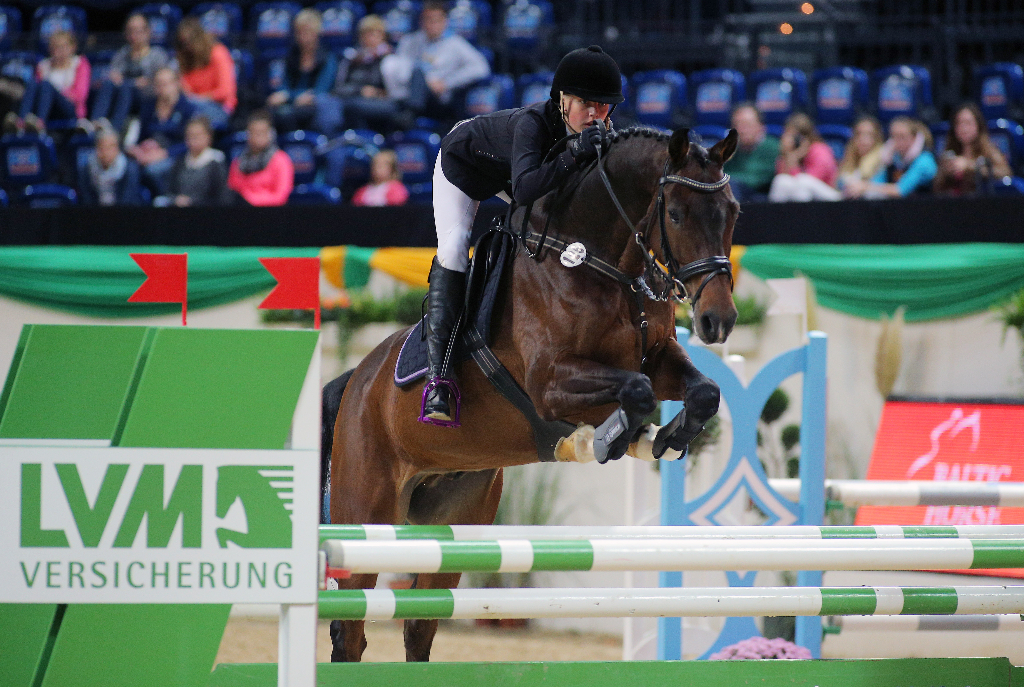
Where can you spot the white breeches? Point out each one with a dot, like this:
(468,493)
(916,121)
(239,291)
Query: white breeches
(801,187)
(454,213)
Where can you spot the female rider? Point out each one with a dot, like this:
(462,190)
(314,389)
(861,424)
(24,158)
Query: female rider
(503,153)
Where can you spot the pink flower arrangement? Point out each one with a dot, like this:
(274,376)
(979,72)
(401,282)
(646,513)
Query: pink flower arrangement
(758,648)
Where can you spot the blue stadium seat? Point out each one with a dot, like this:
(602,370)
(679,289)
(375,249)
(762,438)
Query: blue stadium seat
(271,24)
(837,136)
(421,194)
(526,23)
(940,131)
(533,88)
(339,23)
(222,19)
(710,134)
(233,144)
(659,95)
(1009,186)
(901,89)
(999,89)
(469,18)
(10,25)
(348,167)
(315,194)
(3,198)
(1009,138)
(163,22)
(245,66)
(778,93)
(364,137)
(99,63)
(840,93)
(496,92)
(271,75)
(416,151)
(714,93)
(20,64)
(302,147)
(27,159)
(400,16)
(75,154)
(50,18)
(47,196)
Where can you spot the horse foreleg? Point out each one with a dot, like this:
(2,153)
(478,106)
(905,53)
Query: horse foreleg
(348,637)
(677,378)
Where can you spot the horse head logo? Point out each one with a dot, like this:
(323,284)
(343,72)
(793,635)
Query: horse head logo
(956,423)
(264,494)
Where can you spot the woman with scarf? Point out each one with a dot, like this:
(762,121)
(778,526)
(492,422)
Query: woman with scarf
(262,175)
(308,75)
(110,177)
(908,165)
(199,177)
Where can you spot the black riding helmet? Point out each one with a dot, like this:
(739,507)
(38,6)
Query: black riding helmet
(590,74)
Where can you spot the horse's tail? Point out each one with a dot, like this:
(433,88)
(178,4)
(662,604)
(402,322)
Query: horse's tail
(330,404)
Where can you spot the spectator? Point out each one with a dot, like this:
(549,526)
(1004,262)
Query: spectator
(806,166)
(199,176)
(110,177)
(131,74)
(862,157)
(207,72)
(752,167)
(161,127)
(444,65)
(262,174)
(907,164)
(970,161)
(308,75)
(385,187)
(61,86)
(359,90)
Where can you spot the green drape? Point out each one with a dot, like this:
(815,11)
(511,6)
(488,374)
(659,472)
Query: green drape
(932,281)
(97,280)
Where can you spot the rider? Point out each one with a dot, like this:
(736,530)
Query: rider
(503,153)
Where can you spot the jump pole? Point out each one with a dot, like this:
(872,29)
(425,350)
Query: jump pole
(851,492)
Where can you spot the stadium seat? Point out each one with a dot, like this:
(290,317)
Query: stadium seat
(659,96)
(416,151)
(469,18)
(233,144)
(302,147)
(50,18)
(837,136)
(902,89)
(222,19)
(245,66)
(496,92)
(271,75)
(364,137)
(3,198)
(400,16)
(99,63)
(347,166)
(10,25)
(163,22)
(1009,186)
(533,88)
(999,89)
(74,156)
(47,196)
(421,194)
(840,94)
(339,23)
(27,159)
(526,23)
(1009,138)
(20,64)
(940,131)
(315,194)
(715,93)
(710,134)
(778,93)
(272,27)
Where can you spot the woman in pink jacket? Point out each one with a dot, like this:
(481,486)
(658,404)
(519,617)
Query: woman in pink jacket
(62,84)
(806,168)
(263,174)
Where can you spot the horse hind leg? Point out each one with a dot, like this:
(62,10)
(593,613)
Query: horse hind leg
(469,498)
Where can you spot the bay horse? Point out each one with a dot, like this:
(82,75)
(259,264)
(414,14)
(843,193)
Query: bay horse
(571,337)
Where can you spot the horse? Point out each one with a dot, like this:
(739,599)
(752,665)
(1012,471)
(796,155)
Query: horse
(586,348)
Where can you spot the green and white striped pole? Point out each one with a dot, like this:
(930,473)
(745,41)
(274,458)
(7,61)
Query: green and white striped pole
(431,556)
(382,604)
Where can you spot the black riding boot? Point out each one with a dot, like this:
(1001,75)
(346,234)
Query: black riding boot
(446,294)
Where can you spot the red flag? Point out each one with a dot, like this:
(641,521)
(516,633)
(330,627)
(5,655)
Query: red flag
(166,279)
(298,285)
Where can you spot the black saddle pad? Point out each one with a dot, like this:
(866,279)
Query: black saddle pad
(493,252)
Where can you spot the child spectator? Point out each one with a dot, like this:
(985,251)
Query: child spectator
(970,161)
(308,75)
(359,91)
(130,78)
(110,177)
(207,72)
(862,158)
(806,167)
(262,175)
(908,165)
(61,87)
(199,176)
(752,167)
(385,187)
(161,127)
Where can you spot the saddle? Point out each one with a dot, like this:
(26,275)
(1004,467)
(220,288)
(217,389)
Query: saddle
(493,254)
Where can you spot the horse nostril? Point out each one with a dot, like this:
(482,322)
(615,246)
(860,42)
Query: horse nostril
(710,324)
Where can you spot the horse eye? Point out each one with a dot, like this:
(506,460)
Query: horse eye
(674,216)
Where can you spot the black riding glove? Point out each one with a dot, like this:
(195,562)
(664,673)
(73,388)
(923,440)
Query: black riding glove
(584,148)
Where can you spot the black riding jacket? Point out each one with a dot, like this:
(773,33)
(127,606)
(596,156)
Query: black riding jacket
(505,151)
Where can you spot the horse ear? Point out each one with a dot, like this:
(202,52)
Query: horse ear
(679,146)
(724,149)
